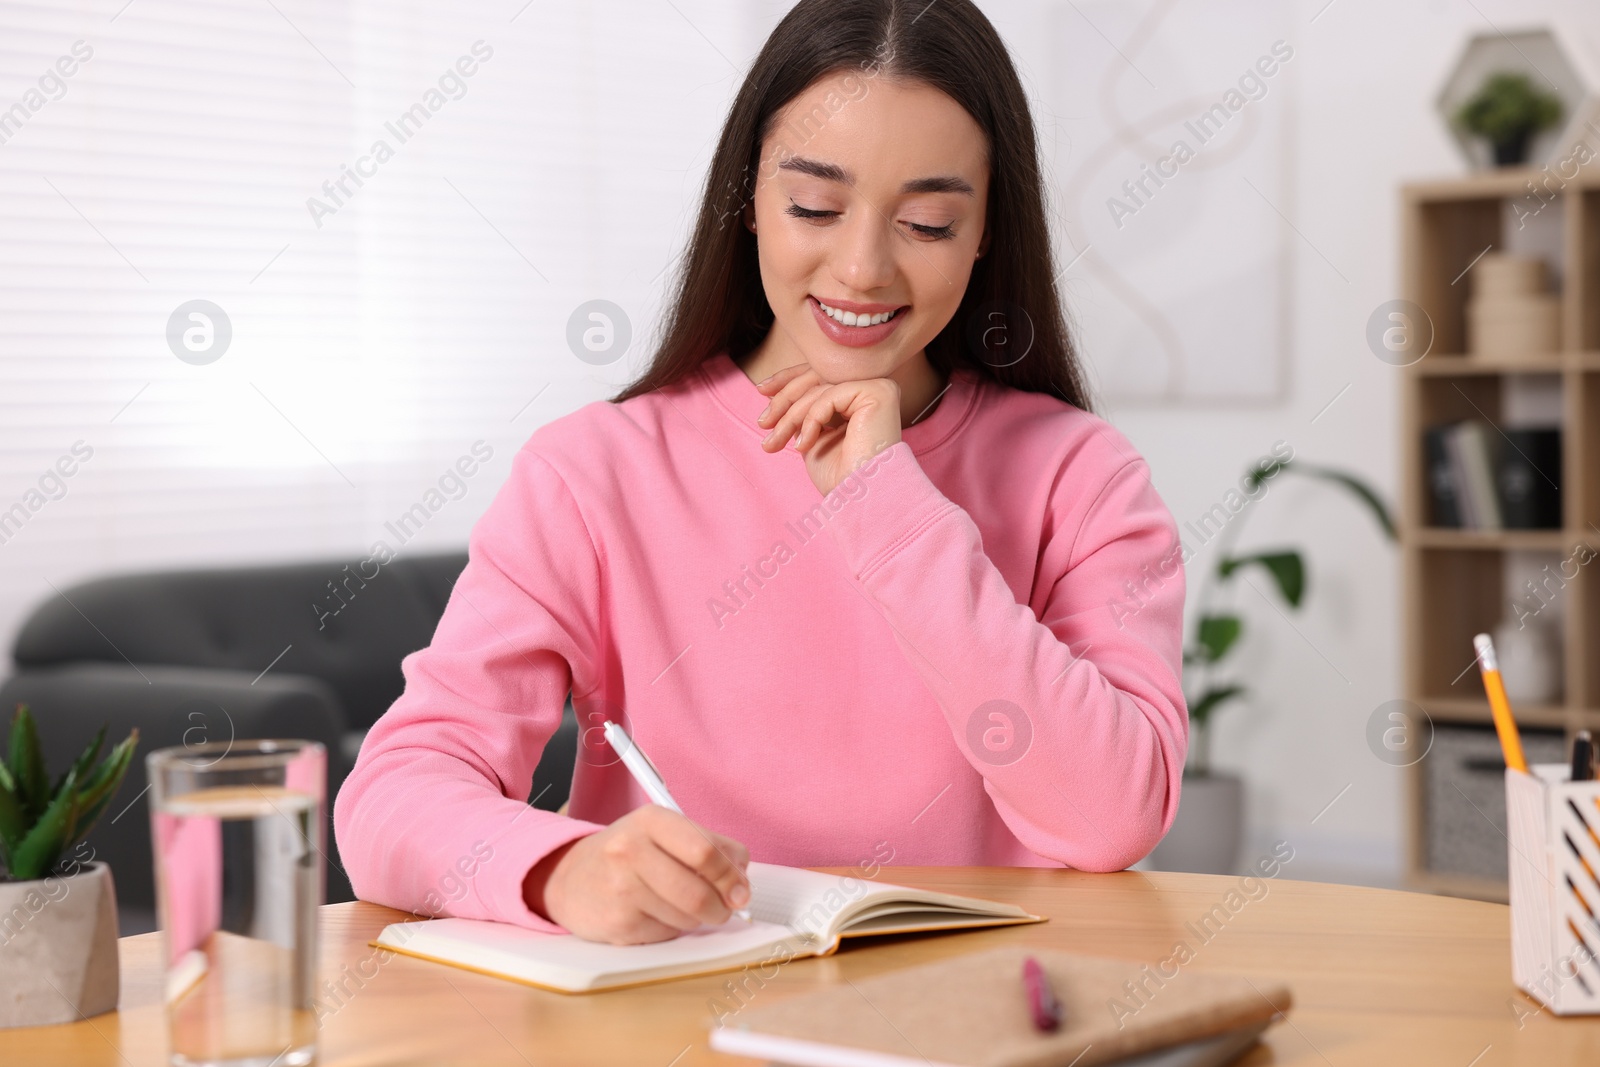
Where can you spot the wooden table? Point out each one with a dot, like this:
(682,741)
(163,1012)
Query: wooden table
(1379,977)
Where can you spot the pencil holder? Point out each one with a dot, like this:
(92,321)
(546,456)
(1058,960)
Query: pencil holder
(1554,840)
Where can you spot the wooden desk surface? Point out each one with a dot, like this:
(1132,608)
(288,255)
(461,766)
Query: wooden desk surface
(1379,977)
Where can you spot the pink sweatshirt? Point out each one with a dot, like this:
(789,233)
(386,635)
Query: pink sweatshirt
(968,653)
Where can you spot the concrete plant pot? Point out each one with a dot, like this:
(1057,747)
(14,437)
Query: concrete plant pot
(1205,835)
(58,938)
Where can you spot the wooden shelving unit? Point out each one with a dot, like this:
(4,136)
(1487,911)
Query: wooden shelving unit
(1454,579)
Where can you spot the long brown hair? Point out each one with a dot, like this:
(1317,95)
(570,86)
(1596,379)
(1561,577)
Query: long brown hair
(718,303)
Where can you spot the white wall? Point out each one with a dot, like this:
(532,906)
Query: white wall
(585,143)
(1364,124)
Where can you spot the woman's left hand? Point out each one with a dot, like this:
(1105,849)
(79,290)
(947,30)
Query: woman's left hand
(836,425)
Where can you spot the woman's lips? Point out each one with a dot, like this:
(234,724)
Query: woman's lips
(853,336)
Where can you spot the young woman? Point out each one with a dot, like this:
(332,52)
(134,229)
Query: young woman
(852,561)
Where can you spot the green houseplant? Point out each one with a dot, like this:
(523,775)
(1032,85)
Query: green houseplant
(58,919)
(38,821)
(1216,631)
(1507,110)
(1205,835)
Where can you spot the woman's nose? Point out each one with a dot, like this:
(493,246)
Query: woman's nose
(864,259)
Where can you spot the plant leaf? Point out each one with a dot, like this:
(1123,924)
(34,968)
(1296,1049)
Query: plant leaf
(1362,492)
(94,797)
(1213,697)
(43,845)
(1287,570)
(83,762)
(1262,472)
(13,821)
(27,763)
(1217,635)
(108,769)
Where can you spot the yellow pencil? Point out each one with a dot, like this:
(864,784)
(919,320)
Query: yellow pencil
(1504,724)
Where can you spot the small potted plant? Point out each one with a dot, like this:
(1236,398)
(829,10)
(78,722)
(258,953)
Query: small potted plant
(1205,836)
(58,913)
(1507,111)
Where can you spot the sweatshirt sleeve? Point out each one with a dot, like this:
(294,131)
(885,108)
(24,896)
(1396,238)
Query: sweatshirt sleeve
(1075,716)
(434,819)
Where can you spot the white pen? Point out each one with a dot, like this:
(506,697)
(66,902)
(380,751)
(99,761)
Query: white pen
(644,772)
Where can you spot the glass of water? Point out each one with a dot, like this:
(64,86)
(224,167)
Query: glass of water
(238,839)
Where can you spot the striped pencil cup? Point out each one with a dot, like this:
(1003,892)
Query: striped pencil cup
(1554,851)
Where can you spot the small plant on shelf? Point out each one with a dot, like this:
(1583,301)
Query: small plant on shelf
(39,821)
(1507,111)
(1217,632)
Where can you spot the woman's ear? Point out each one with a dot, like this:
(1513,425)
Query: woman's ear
(749,214)
(983,244)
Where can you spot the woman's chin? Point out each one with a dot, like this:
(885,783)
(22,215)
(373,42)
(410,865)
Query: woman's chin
(846,366)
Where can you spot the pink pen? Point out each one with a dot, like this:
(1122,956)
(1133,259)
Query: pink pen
(1042,1002)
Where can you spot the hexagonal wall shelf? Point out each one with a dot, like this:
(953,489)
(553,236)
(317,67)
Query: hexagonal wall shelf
(1550,65)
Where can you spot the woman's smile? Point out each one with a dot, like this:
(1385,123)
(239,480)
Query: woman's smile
(856,325)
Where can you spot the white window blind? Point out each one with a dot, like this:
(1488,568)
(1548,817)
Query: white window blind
(538,156)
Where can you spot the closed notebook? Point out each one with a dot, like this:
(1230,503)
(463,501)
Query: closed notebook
(972,1011)
(796,913)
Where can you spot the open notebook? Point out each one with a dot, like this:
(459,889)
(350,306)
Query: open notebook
(795,913)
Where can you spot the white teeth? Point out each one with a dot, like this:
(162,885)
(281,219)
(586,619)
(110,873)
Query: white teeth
(850,318)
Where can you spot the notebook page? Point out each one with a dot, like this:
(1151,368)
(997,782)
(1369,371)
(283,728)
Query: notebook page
(803,901)
(779,894)
(569,962)
(820,904)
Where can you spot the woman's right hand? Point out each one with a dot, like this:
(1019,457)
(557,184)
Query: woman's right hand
(649,876)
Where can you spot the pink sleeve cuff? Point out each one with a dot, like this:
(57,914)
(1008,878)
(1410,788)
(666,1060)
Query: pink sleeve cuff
(881,506)
(517,847)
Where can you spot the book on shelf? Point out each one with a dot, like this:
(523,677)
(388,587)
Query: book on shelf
(1444,492)
(1480,477)
(1472,456)
(1529,479)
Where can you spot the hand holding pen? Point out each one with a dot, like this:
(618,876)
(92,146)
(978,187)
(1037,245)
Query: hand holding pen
(644,772)
(649,876)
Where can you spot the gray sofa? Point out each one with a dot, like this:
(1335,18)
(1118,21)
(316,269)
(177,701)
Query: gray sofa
(307,650)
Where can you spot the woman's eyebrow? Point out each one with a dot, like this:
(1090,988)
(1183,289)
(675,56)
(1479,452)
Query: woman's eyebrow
(832,172)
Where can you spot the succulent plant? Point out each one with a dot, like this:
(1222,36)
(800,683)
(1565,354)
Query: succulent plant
(38,821)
